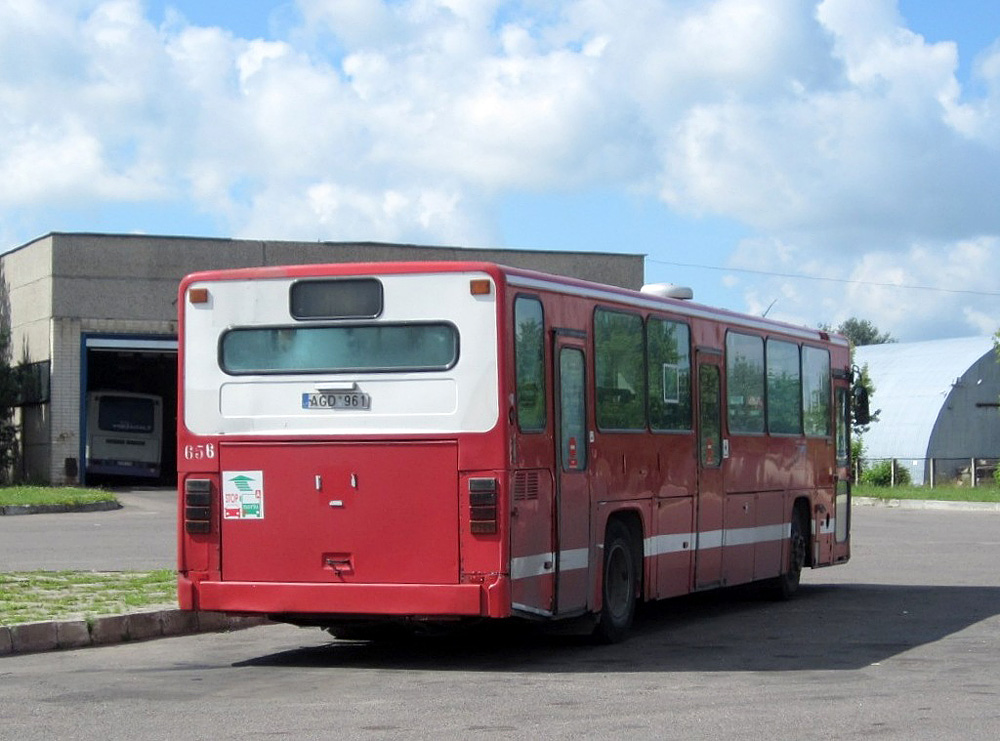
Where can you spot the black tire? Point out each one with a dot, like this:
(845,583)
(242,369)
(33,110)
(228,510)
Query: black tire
(619,587)
(785,586)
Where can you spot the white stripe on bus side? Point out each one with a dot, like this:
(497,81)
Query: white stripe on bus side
(526,567)
(540,564)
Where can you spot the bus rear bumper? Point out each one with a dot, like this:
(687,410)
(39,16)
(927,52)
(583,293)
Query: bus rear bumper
(276,598)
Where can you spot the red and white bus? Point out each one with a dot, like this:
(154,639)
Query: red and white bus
(409,442)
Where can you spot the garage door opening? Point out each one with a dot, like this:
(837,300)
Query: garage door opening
(129,411)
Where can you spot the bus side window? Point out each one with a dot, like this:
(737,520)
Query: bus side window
(745,382)
(669,373)
(784,388)
(529,361)
(619,370)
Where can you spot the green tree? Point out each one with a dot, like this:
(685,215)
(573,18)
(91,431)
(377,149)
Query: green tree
(884,473)
(860,332)
(865,380)
(9,388)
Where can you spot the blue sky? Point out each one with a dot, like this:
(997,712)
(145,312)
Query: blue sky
(827,159)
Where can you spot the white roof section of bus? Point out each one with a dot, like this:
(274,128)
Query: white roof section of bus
(912,382)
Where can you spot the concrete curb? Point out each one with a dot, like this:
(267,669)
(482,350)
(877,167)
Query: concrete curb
(925,504)
(103,631)
(45,509)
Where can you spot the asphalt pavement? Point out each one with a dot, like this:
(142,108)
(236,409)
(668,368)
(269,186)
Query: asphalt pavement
(901,643)
(141,536)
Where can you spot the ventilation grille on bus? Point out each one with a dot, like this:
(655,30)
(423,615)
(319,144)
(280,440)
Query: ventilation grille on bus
(525,485)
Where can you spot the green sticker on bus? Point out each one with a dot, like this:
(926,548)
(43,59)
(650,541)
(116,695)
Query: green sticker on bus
(243,495)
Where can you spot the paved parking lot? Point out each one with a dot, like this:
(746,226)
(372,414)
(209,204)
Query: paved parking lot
(140,536)
(901,643)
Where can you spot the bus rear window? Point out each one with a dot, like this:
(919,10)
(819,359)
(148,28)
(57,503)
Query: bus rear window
(347,349)
(125,414)
(345,298)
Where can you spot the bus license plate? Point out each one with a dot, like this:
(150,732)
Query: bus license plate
(337,400)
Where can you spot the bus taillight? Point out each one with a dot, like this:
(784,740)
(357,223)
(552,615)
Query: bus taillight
(198,505)
(483,506)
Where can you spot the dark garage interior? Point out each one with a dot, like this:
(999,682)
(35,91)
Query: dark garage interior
(138,370)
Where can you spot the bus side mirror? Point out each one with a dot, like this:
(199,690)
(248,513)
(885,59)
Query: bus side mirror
(862,415)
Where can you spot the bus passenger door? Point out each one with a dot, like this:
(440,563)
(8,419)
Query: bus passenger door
(572,501)
(711,492)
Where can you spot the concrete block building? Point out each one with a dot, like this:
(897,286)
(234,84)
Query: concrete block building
(92,312)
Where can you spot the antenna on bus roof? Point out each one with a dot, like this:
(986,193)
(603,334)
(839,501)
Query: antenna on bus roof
(668,290)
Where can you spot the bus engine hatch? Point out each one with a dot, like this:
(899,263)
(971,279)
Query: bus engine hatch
(340,512)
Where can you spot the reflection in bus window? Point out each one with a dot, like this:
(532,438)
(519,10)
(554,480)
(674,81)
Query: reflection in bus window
(816,391)
(572,410)
(784,390)
(709,417)
(843,420)
(669,359)
(338,298)
(368,347)
(529,358)
(745,382)
(619,368)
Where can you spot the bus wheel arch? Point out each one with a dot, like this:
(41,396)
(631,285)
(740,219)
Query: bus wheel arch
(621,576)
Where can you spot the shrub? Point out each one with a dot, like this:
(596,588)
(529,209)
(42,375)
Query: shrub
(880,474)
(857,454)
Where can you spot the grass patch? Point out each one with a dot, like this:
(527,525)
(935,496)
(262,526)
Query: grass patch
(35,495)
(31,596)
(939,493)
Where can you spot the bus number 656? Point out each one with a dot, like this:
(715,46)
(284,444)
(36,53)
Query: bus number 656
(199,452)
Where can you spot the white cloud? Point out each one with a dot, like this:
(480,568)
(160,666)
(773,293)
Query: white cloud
(420,216)
(884,146)
(840,138)
(929,289)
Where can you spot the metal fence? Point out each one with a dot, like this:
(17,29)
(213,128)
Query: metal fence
(931,471)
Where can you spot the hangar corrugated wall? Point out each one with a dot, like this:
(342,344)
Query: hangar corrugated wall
(937,401)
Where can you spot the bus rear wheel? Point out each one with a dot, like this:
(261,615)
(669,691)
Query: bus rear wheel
(620,584)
